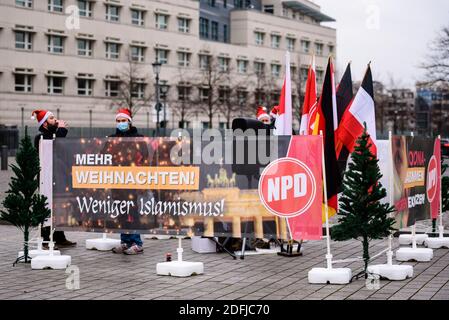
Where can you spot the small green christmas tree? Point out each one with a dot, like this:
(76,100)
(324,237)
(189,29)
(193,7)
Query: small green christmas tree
(24,207)
(364,217)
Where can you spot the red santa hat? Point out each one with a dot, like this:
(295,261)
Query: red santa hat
(41,116)
(124,113)
(262,114)
(274,112)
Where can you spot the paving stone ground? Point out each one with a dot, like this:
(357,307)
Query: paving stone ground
(104,275)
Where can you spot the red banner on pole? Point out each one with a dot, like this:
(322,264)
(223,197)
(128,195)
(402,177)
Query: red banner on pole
(291,188)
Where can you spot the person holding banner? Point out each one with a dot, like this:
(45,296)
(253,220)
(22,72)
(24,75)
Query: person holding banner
(127,154)
(49,126)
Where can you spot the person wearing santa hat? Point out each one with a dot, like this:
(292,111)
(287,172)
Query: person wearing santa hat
(135,155)
(262,115)
(49,126)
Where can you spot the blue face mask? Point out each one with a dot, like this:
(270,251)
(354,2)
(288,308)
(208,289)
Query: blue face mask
(123,126)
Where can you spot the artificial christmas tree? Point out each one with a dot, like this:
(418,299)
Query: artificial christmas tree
(24,207)
(364,217)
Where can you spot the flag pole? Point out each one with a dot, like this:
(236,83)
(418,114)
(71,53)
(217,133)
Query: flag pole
(441,227)
(391,183)
(326,209)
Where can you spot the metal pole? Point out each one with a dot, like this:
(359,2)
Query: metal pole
(4,158)
(90,123)
(391,183)
(157,104)
(441,227)
(326,210)
(165,116)
(23,117)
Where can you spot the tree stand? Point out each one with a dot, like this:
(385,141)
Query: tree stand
(51,261)
(414,253)
(390,271)
(179,268)
(330,275)
(438,243)
(102,244)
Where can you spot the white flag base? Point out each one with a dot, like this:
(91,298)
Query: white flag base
(437,243)
(179,268)
(414,254)
(407,239)
(36,253)
(51,262)
(392,272)
(102,244)
(331,276)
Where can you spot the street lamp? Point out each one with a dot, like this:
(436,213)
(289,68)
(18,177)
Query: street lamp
(157,70)
(164,91)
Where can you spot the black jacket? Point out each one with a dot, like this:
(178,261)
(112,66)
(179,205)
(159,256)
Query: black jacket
(60,133)
(132,132)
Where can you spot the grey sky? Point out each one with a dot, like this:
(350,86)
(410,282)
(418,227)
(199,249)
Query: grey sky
(396,45)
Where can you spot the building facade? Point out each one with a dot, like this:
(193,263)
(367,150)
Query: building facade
(83,59)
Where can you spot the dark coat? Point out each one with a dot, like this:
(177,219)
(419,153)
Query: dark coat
(47,135)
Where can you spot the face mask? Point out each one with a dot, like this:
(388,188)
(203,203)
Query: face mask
(123,126)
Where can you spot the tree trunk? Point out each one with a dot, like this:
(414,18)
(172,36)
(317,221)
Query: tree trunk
(26,235)
(366,254)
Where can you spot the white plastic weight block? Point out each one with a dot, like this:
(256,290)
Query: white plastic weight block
(406,239)
(36,253)
(51,262)
(331,276)
(392,272)
(179,268)
(203,245)
(418,254)
(102,244)
(437,243)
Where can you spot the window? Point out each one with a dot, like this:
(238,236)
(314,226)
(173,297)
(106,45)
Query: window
(259,97)
(304,74)
(268,8)
(291,44)
(225,3)
(242,96)
(223,64)
(242,66)
(112,13)
(275,41)
(259,38)
(183,93)
(259,68)
(319,75)
(183,25)
(24,3)
(23,83)
(162,56)
(85,87)
(85,8)
(204,28)
(214,31)
(276,70)
(331,49)
(204,61)
(305,46)
(137,17)
(23,40)
(224,94)
(84,47)
(225,33)
(55,5)
(211,3)
(319,49)
(204,94)
(137,54)
(161,21)
(112,88)
(183,59)
(112,50)
(55,85)
(55,44)
(138,90)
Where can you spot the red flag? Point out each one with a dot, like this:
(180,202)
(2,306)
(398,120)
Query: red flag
(361,110)
(310,102)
